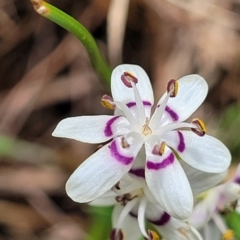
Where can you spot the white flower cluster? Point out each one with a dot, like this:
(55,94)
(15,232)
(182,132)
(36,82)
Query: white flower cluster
(153,163)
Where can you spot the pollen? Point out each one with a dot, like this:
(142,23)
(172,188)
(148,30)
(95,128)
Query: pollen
(107,102)
(172,87)
(124,143)
(159,149)
(201,128)
(146,130)
(153,235)
(228,235)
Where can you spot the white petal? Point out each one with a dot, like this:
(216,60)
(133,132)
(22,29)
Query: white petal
(133,109)
(170,228)
(156,214)
(124,94)
(107,199)
(175,229)
(203,210)
(92,129)
(230,193)
(129,227)
(211,232)
(201,181)
(205,153)
(192,90)
(138,167)
(168,183)
(102,170)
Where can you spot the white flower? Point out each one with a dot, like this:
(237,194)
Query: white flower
(160,137)
(133,206)
(207,213)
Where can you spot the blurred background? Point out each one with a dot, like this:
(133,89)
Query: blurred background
(46,75)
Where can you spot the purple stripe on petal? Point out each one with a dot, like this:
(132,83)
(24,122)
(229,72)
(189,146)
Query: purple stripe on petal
(120,158)
(237,180)
(108,129)
(181,145)
(173,114)
(132,104)
(165,217)
(139,172)
(163,164)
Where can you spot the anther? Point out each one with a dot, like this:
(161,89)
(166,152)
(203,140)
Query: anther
(124,143)
(228,235)
(98,147)
(159,149)
(117,186)
(183,231)
(116,234)
(127,78)
(152,235)
(108,102)
(146,130)
(124,199)
(201,128)
(172,88)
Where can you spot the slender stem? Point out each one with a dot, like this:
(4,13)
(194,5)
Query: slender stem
(78,30)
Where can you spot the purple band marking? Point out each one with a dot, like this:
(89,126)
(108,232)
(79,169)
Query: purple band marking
(237,180)
(173,114)
(181,145)
(139,172)
(120,158)
(108,129)
(156,166)
(131,104)
(164,218)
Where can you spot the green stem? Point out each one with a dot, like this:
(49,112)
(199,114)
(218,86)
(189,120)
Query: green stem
(101,223)
(77,29)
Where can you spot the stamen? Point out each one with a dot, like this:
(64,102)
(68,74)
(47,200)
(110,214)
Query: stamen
(157,116)
(146,130)
(221,225)
(152,235)
(108,102)
(174,126)
(228,235)
(172,88)
(124,199)
(183,231)
(127,114)
(141,216)
(129,189)
(200,127)
(195,232)
(117,185)
(127,78)
(129,206)
(98,147)
(116,234)
(139,104)
(159,149)
(124,143)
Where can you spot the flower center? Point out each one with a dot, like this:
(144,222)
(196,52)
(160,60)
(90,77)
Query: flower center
(146,130)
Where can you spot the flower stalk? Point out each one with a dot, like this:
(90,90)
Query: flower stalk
(78,30)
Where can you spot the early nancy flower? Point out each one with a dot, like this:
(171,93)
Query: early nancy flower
(133,206)
(162,137)
(207,212)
